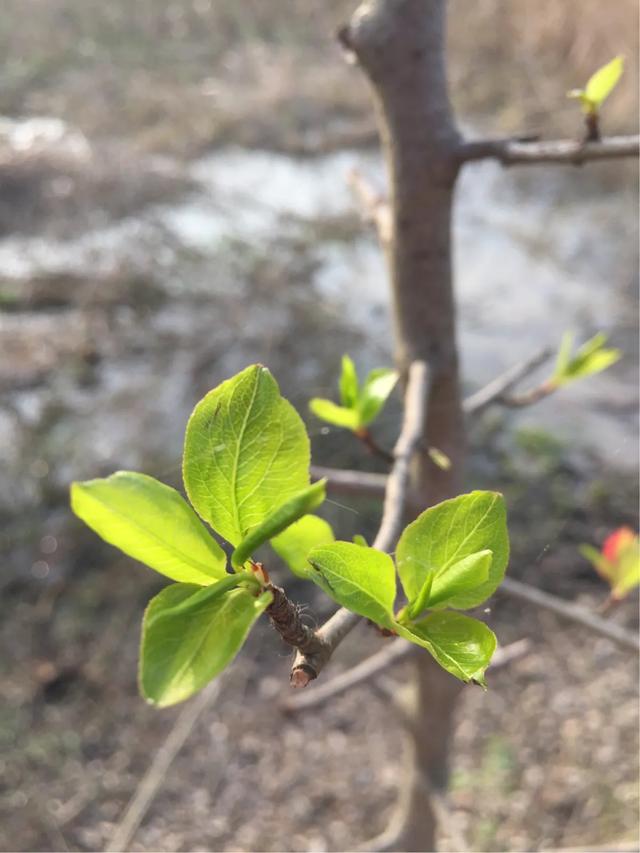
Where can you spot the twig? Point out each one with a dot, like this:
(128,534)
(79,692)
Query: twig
(152,780)
(375,208)
(497,388)
(512,152)
(528,398)
(307,667)
(367,439)
(343,482)
(573,612)
(375,665)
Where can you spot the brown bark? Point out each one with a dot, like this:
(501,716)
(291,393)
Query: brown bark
(399,44)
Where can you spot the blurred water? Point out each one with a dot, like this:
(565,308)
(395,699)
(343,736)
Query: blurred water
(530,262)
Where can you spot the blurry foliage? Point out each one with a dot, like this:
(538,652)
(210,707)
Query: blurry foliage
(591,358)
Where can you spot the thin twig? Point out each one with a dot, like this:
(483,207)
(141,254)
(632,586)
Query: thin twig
(373,666)
(152,780)
(344,482)
(573,612)
(375,208)
(528,398)
(375,449)
(497,388)
(307,667)
(511,152)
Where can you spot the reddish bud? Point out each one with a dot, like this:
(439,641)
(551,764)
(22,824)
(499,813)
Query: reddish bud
(616,543)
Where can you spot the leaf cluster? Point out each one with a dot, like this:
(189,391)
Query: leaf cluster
(591,358)
(246,474)
(451,558)
(360,404)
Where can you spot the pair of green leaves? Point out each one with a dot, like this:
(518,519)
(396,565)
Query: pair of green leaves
(359,405)
(599,86)
(246,472)
(453,556)
(591,358)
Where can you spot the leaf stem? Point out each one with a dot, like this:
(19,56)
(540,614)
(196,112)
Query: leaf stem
(367,439)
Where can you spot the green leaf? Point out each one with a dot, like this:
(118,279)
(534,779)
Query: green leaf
(246,451)
(294,543)
(601,84)
(375,391)
(330,412)
(415,608)
(564,354)
(152,523)
(461,645)
(348,383)
(451,584)
(627,570)
(281,518)
(449,532)
(185,644)
(591,358)
(360,579)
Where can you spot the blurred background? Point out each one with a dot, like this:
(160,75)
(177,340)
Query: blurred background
(173,207)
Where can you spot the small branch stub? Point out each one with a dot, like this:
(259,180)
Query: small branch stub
(285,618)
(512,152)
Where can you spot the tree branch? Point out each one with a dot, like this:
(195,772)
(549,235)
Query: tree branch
(306,667)
(573,612)
(284,616)
(156,773)
(511,152)
(364,435)
(373,666)
(497,388)
(528,398)
(344,482)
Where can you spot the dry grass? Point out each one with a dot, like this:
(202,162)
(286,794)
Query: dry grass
(178,77)
(512,63)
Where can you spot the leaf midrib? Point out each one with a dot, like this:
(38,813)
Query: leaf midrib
(236,460)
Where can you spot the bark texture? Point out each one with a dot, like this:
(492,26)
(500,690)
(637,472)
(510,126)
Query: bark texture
(399,45)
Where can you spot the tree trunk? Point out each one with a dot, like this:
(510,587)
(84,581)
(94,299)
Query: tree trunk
(400,45)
